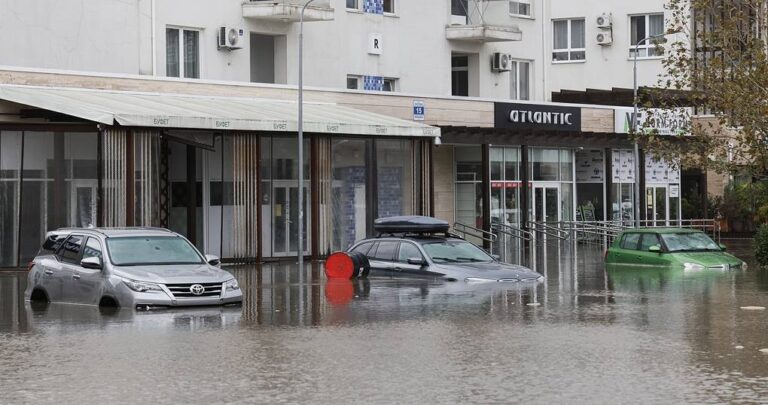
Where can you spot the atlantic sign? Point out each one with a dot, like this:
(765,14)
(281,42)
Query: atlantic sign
(537,116)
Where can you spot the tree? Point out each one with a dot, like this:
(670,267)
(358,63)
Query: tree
(718,63)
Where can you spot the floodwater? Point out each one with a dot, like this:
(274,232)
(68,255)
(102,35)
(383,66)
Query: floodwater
(583,335)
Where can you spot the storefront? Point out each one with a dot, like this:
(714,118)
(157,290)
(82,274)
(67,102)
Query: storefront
(223,171)
(549,164)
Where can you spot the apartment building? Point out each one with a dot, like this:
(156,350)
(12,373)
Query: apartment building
(500,49)
(181,113)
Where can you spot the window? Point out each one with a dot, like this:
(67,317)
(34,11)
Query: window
(630,241)
(520,8)
(363,248)
(92,248)
(389,85)
(352,4)
(408,251)
(385,251)
(520,80)
(568,40)
(371,83)
(182,53)
(353,82)
(460,76)
(648,240)
(389,6)
(70,250)
(641,27)
(151,250)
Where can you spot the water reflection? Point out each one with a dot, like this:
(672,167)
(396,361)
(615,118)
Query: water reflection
(650,334)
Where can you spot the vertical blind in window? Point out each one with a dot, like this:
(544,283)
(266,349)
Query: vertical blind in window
(172,52)
(191,54)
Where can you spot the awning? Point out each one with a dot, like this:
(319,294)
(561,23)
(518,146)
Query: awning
(167,110)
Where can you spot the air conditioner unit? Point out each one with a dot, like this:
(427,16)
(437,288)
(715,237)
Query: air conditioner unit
(230,38)
(604,21)
(604,38)
(501,62)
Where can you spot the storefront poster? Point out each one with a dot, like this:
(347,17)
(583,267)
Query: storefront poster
(590,166)
(623,166)
(674,190)
(660,171)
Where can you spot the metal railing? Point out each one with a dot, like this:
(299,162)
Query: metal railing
(481,234)
(553,229)
(511,231)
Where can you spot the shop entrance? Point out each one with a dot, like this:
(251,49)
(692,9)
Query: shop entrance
(285,219)
(657,205)
(546,203)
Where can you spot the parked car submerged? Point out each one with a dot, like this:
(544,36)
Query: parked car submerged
(689,249)
(416,246)
(127,267)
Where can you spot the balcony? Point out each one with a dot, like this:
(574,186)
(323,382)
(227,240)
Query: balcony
(287,10)
(482,33)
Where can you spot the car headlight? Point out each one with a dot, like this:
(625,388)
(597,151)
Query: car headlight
(692,267)
(478,280)
(744,265)
(141,286)
(231,285)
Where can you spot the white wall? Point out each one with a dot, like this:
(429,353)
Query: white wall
(605,66)
(86,35)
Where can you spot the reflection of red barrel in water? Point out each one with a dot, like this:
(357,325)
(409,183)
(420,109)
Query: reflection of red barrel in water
(347,265)
(339,292)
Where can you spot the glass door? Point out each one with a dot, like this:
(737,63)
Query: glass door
(285,219)
(656,205)
(546,204)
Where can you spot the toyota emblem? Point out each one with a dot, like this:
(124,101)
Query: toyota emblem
(196,289)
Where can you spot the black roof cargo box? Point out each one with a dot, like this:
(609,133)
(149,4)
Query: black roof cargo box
(410,224)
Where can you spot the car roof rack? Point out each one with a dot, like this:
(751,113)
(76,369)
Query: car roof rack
(450,235)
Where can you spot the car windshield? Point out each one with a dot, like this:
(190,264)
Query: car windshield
(455,251)
(151,250)
(686,242)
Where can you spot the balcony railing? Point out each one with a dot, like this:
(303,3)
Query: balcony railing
(482,21)
(287,10)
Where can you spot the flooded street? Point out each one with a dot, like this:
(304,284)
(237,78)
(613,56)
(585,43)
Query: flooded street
(583,335)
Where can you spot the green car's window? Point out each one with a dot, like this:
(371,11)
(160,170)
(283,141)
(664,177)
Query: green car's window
(648,240)
(680,242)
(630,241)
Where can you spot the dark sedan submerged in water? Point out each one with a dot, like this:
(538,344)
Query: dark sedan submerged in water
(423,247)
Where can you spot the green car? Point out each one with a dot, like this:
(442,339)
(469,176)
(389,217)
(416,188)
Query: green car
(688,249)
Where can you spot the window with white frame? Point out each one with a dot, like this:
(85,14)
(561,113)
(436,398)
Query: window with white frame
(641,27)
(389,6)
(569,42)
(182,53)
(520,8)
(353,5)
(520,80)
(371,83)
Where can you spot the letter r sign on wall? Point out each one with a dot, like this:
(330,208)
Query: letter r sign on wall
(374,44)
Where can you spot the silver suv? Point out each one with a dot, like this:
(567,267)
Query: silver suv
(127,267)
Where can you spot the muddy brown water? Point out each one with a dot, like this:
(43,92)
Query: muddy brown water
(584,335)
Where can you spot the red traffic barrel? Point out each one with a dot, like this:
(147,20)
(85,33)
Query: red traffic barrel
(347,265)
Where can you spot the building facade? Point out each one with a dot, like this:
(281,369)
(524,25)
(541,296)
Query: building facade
(428,47)
(185,118)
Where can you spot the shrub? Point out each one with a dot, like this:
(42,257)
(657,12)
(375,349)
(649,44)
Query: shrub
(760,244)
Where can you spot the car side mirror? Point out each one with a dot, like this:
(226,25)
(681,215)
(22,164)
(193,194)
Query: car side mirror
(722,246)
(212,260)
(655,249)
(416,261)
(91,263)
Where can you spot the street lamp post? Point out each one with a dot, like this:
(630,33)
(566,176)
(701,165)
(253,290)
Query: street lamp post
(635,128)
(301,137)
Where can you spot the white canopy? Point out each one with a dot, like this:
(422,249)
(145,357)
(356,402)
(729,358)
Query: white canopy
(168,110)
